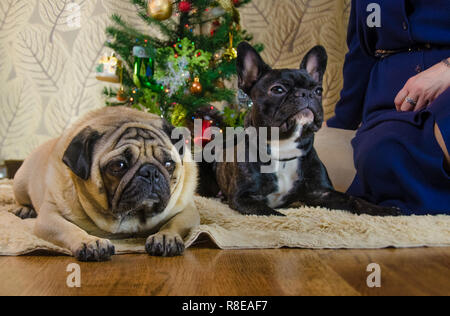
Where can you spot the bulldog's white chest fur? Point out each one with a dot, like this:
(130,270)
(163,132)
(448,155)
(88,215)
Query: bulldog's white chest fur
(286,171)
(286,177)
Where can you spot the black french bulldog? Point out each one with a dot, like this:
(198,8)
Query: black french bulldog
(290,99)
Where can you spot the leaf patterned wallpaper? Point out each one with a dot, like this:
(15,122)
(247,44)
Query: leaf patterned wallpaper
(47,59)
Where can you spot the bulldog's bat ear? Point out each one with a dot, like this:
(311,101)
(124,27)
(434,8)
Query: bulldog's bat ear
(250,67)
(315,63)
(78,156)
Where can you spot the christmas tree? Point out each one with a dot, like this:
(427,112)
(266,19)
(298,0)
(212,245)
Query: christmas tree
(184,69)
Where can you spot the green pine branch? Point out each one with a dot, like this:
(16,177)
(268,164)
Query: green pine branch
(123,37)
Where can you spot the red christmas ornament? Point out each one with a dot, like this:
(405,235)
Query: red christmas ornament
(185,6)
(203,139)
(215,25)
(210,117)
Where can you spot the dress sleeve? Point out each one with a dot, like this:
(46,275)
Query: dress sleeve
(357,68)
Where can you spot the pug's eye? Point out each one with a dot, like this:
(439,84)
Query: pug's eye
(117,167)
(319,92)
(169,165)
(278,90)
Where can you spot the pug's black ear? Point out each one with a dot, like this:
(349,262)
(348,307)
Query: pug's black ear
(250,67)
(315,63)
(168,129)
(78,156)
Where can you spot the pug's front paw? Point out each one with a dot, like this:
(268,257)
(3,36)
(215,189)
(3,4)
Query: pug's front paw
(96,250)
(25,212)
(165,245)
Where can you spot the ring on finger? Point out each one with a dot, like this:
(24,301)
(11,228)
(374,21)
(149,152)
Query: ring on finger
(411,101)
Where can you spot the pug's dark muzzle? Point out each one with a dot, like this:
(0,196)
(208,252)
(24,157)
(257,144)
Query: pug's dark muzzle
(148,192)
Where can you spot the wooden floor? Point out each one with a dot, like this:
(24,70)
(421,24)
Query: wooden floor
(236,273)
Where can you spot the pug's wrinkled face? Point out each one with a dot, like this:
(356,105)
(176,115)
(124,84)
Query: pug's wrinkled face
(138,174)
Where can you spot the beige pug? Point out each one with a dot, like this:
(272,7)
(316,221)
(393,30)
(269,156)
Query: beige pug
(113,174)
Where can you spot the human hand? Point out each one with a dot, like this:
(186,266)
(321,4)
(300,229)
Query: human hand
(423,89)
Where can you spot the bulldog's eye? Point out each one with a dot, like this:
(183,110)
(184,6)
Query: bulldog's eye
(319,92)
(278,90)
(117,167)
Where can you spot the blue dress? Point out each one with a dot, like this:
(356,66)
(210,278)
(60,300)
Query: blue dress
(398,160)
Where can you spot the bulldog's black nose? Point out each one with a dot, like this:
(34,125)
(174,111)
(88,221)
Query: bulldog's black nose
(304,93)
(150,172)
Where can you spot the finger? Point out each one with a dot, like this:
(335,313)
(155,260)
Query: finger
(421,103)
(434,95)
(400,98)
(407,106)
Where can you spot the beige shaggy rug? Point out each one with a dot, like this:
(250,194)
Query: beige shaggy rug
(301,228)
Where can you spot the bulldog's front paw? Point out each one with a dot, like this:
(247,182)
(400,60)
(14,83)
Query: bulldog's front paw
(165,245)
(386,211)
(365,208)
(96,250)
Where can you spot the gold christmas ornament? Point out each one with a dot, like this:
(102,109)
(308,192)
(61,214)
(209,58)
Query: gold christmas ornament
(231,52)
(179,115)
(229,7)
(226,4)
(196,87)
(160,9)
(121,95)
